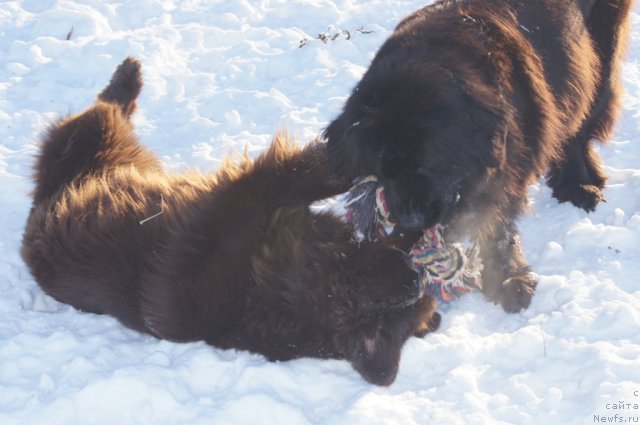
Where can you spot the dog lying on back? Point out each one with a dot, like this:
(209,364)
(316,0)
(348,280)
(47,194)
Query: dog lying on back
(235,259)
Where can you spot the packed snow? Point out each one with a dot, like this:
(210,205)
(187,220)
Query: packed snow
(222,76)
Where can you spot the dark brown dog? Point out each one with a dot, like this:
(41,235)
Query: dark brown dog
(235,259)
(469,101)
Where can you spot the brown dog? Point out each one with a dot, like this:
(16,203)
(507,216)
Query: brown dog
(468,101)
(235,259)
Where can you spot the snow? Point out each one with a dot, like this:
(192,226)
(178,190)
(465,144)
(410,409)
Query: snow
(222,75)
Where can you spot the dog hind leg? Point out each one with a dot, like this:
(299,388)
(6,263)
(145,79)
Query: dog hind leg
(579,177)
(96,140)
(124,87)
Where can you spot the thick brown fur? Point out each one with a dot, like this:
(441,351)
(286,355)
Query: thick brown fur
(234,258)
(468,101)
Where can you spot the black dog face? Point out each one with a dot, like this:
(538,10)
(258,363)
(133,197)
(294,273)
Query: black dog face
(427,138)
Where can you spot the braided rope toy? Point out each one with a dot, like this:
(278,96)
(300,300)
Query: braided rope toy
(446,270)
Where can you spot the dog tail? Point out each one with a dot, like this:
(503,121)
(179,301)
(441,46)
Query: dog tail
(96,140)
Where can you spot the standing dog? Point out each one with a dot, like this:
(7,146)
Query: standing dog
(235,259)
(468,101)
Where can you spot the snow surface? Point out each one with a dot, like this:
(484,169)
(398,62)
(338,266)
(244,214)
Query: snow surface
(221,75)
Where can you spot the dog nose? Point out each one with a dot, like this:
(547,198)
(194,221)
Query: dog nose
(417,217)
(414,204)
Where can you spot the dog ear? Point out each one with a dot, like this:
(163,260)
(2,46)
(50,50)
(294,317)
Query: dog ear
(335,132)
(342,140)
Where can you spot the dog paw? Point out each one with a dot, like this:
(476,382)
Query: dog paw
(585,196)
(431,324)
(516,293)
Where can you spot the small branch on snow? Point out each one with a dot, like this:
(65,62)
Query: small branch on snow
(332,35)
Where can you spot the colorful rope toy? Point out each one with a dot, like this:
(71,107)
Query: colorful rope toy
(446,271)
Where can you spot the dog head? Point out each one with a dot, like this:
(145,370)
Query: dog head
(379,306)
(428,136)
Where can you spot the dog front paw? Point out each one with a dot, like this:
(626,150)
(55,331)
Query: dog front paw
(431,324)
(516,292)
